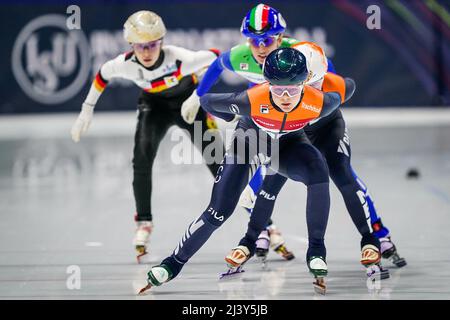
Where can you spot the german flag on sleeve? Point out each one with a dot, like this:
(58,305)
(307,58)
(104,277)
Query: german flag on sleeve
(99,82)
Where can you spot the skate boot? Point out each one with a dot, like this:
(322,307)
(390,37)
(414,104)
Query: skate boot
(141,238)
(235,261)
(277,243)
(157,276)
(262,246)
(389,252)
(371,259)
(318,268)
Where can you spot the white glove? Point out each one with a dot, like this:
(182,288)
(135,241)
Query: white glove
(236,118)
(190,107)
(247,198)
(83,121)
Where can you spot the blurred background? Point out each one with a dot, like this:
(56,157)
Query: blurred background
(48,68)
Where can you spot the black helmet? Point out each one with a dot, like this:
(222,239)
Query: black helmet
(285,66)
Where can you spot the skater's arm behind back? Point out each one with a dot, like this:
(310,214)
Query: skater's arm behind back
(331,101)
(350,88)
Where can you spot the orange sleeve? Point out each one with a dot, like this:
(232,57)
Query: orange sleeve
(333,82)
(313,98)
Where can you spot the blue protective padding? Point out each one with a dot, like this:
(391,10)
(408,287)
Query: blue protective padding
(213,73)
(374,218)
(331,66)
(257,180)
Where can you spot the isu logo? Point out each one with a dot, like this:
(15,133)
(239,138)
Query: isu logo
(310,107)
(50,62)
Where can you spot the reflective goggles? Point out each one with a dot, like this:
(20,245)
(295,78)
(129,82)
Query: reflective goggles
(291,91)
(257,42)
(152,45)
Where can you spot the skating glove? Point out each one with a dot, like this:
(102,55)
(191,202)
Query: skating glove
(189,108)
(83,121)
(247,198)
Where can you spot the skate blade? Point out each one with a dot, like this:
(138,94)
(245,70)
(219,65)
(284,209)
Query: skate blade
(143,290)
(374,271)
(289,257)
(140,251)
(139,257)
(262,259)
(319,286)
(384,274)
(399,263)
(261,253)
(264,264)
(231,272)
(284,252)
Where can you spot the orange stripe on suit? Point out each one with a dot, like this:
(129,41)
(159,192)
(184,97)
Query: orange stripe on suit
(99,84)
(267,117)
(334,83)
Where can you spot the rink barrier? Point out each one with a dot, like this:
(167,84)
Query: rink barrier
(106,124)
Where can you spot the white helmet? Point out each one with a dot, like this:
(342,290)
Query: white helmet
(317,62)
(143,26)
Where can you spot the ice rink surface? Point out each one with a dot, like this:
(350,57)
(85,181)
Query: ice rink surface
(67,207)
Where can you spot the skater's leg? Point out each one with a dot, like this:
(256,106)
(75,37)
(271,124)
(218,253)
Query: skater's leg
(262,211)
(387,247)
(379,229)
(270,235)
(302,162)
(151,127)
(229,183)
(335,146)
(270,190)
(334,143)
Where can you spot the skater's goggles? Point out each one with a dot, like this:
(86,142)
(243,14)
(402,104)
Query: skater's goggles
(152,45)
(257,42)
(291,91)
